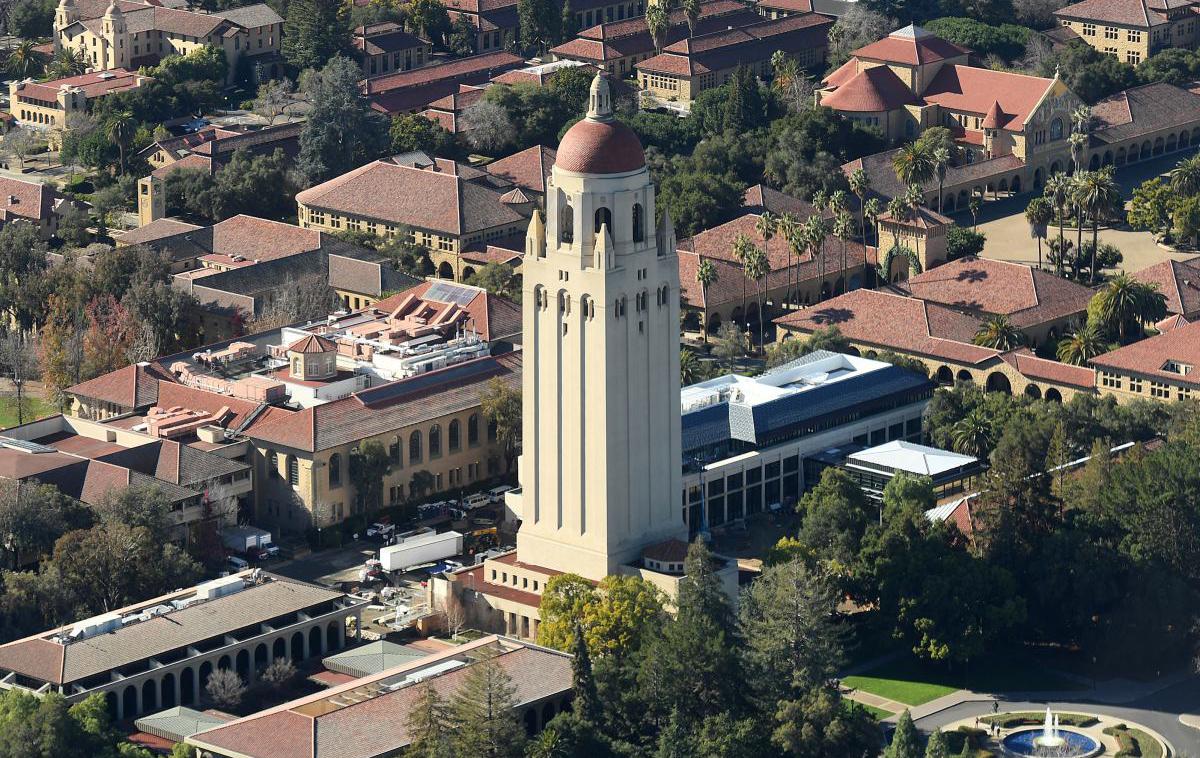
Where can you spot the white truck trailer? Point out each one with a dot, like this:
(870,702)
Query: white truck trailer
(420,548)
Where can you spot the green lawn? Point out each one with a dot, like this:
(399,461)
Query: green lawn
(912,682)
(35,408)
(879,713)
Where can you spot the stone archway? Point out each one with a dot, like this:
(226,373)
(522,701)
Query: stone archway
(445,270)
(314,642)
(1016,184)
(1038,179)
(206,669)
(242,664)
(1147,150)
(997,382)
(531,721)
(964,376)
(1033,391)
(262,656)
(467,273)
(187,686)
(1171,143)
(1158,146)
(150,696)
(298,647)
(279,648)
(332,640)
(1120,156)
(168,690)
(949,203)
(1053,395)
(110,703)
(1094,163)
(129,707)
(945,375)
(1108,158)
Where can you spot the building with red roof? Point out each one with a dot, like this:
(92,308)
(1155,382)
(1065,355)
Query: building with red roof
(385,47)
(1179,283)
(1131,30)
(412,91)
(693,64)
(46,106)
(1163,367)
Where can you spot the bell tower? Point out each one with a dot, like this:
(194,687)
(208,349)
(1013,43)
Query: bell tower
(601,462)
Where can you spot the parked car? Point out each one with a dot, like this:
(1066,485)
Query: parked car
(236,564)
(478,500)
(497,493)
(381,529)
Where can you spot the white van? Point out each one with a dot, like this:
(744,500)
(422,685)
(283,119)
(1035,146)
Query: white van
(236,564)
(497,493)
(478,500)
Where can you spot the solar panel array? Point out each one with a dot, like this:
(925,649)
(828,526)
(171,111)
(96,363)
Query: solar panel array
(26,445)
(449,292)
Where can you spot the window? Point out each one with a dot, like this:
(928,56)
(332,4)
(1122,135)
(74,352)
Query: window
(1160,390)
(273,463)
(455,435)
(435,442)
(293,471)
(1135,384)
(491,431)
(394,452)
(603,217)
(1133,36)
(1133,58)
(1110,380)
(414,447)
(1089,30)
(335,470)
(566,224)
(1110,32)
(473,430)
(639,223)
(1056,129)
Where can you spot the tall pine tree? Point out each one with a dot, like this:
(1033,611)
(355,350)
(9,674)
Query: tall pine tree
(485,723)
(428,726)
(587,705)
(342,132)
(905,741)
(313,32)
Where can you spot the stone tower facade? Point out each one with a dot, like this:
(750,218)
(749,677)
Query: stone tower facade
(600,469)
(152,200)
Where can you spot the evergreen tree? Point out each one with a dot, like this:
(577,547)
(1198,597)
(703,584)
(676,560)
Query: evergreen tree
(937,747)
(485,723)
(313,32)
(587,703)
(342,132)
(566,26)
(674,741)
(427,725)
(905,742)
(540,22)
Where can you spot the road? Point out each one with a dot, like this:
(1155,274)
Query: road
(1003,221)
(1159,711)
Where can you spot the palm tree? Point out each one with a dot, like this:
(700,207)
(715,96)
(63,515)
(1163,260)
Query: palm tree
(1078,142)
(814,233)
(120,129)
(975,204)
(1081,117)
(914,164)
(972,435)
(1098,195)
(912,198)
(1058,192)
(706,276)
(1185,177)
(999,333)
(67,62)
(741,248)
(1079,348)
(843,229)
(758,267)
(1126,302)
(860,185)
(1076,189)
(837,202)
(789,229)
(689,367)
(657,24)
(941,164)
(24,60)
(692,9)
(1039,213)
(898,210)
(872,210)
(766,225)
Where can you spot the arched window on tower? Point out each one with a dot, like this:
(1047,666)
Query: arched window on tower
(566,224)
(639,223)
(603,216)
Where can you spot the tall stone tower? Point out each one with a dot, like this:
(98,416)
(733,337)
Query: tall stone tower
(152,200)
(600,468)
(115,38)
(66,14)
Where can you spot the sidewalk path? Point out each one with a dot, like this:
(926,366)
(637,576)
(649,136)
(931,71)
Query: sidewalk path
(875,701)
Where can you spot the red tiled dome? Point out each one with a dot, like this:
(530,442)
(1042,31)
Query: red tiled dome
(600,147)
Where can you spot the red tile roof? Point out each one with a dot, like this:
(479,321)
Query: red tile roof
(1151,356)
(760,197)
(134,386)
(1033,367)
(1178,281)
(986,286)
(722,50)
(493,317)
(528,168)
(313,343)
(31,200)
(975,90)
(895,322)
(874,90)
(441,198)
(1136,13)
(600,147)
(415,89)
(911,45)
(93,84)
(191,162)
(630,37)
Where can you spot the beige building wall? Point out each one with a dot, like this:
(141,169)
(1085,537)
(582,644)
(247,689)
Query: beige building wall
(1127,386)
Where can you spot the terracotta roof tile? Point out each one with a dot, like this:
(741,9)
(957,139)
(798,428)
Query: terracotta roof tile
(630,37)
(976,90)
(986,286)
(600,147)
(415,89)
(721,50)
(134,386)
(874,90)
(93,84)
(1135,13)
(1033,367)
(1178,281)
(1150,357)
(1139,111)
(528,168)
(911,45)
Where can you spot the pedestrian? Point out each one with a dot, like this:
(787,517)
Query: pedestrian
(995,706)
(976,722)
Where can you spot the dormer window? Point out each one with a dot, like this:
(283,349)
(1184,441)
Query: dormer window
(1175,367)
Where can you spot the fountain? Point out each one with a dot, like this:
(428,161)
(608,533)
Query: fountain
(1050,741)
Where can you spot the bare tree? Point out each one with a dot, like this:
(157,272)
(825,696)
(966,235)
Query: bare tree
(856,28)
(1037,50)
(19,361)
(19,143)
(279,673)
(144,346)
(274,98)
(295,300)
(1038,14)
(456,616)
(225,688)
(487,126)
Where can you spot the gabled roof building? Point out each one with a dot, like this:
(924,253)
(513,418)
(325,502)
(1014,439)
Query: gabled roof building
(1131,30)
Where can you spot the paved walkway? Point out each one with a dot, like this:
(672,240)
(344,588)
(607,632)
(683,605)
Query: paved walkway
(866,698)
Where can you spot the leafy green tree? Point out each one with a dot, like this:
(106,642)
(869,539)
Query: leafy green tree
(498,279)
(657,24)
(1150,208)
(501,405)
(342,132)
(540,23)
(22,264)
(1125,305)
(699,200)
(1185,218)
(914,164)
(1185,177)
(1098,195)
(1038,214)
(31,20)
(565,599)
(820,724)
(690,368)
(706,276)
(314,31)
(1174,65)
(413,131)
(482,711)
(758,267)
(973,435)
(1089,73)
(1004,40)
(836,516)
(428,17)
(33,516)
(937,747)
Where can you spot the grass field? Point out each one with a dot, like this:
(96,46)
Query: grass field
(35,408)
(912,682)
(879,713)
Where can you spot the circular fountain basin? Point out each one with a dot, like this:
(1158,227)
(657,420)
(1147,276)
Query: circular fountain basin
(1031,743)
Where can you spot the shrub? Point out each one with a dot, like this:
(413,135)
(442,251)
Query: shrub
(1012,720)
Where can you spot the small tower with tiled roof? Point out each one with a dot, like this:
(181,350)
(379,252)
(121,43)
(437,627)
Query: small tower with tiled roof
(312,359)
